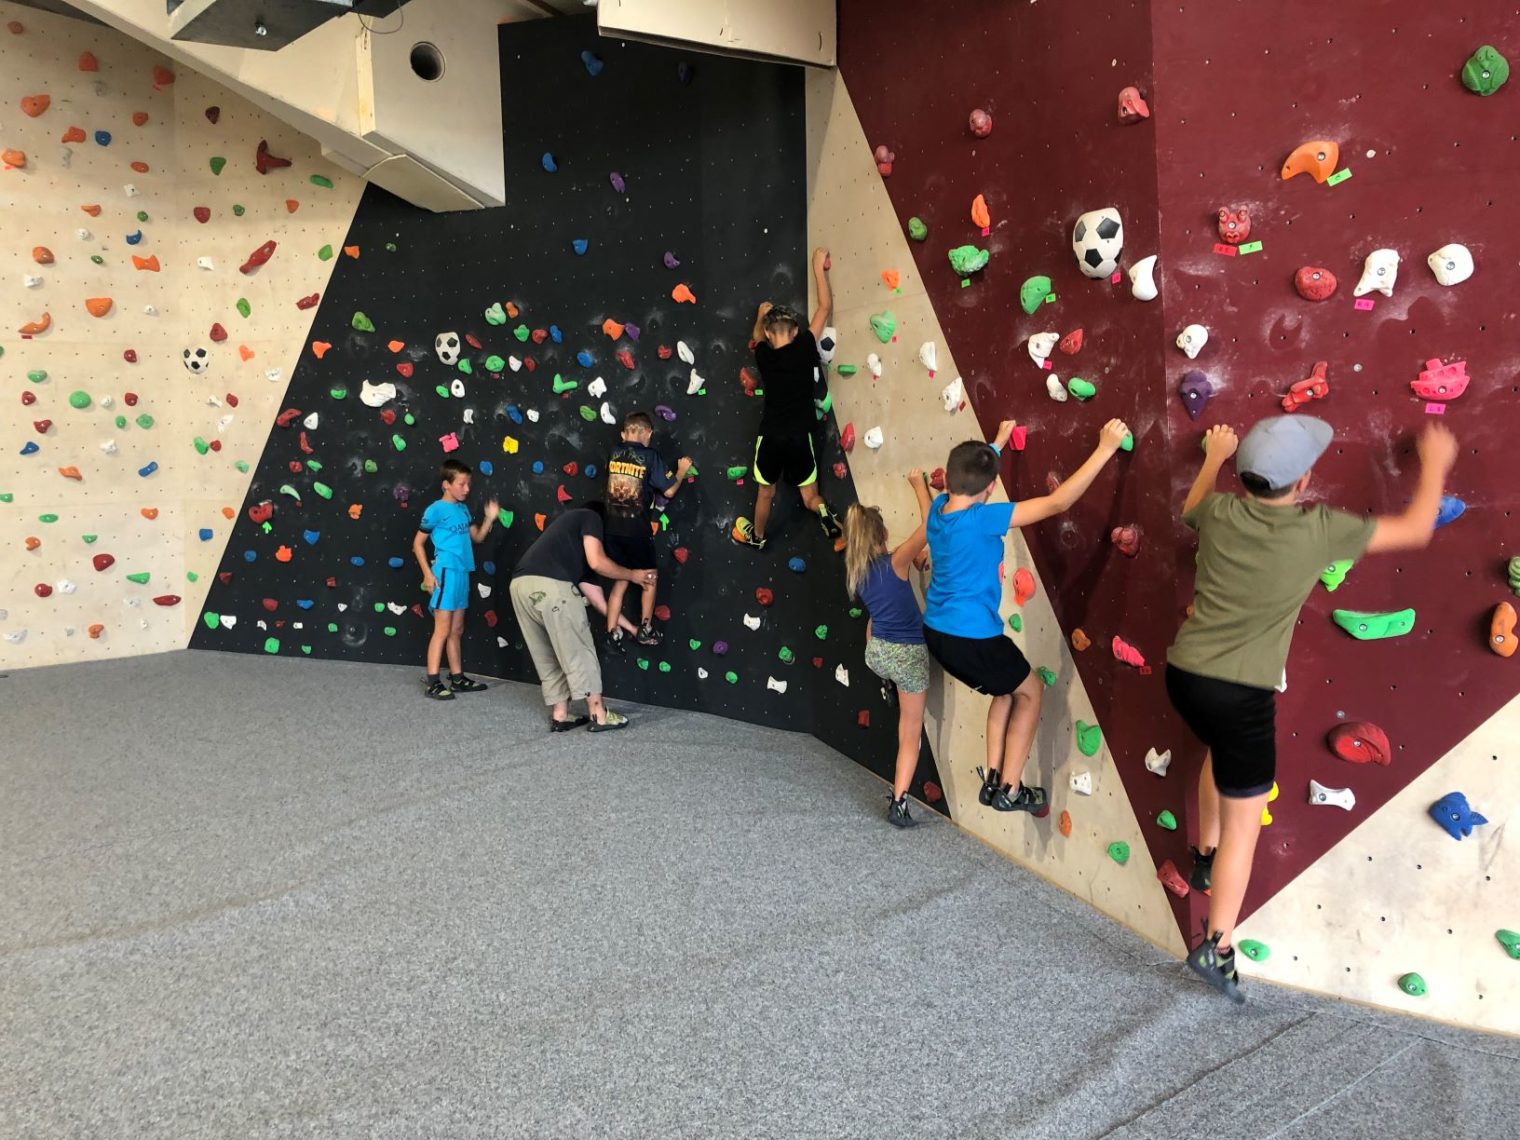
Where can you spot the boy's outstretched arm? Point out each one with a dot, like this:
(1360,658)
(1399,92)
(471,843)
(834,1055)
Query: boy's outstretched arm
(1064,497)
(1219,444)
(912,546)
(825,297)
(758,334)
(479,531)
(1412,529)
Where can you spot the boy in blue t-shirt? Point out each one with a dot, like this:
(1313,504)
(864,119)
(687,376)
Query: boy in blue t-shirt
(962,627)
(447,580)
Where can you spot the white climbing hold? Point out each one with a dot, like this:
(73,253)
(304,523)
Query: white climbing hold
(31,280)
(311,421)
(16,637)
(107,401)
(684,353)
(65,586)
(396,608)
(597,388)
(214,400)
(873,365)
(1081,783)
(1097,240)
(1192,339)
(1452,264)
(273,375)
(1142,279)
(514,363)
(842,675)
(484,589)
(374,395)
(701,672)
(229,620)
(928,355)
(204,263)
(150,310)
(1041,345)
(83,234)
(224,423)
(1321,796)
(751,621)
(469,415)
(457,389)
(954,395)
(608,416)
(130,190)
(1157,761)
(774,685)
(532,415)
(695,384)
(1379,272)
(1055,388)
(874,438)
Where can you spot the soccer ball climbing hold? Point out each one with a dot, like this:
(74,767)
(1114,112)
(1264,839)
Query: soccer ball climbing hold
(446,345)
(197,359)
(1097,240)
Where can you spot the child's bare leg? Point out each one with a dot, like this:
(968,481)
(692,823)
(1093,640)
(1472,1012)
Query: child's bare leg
(1208,807)
(1022,723)
(811,499)
(765,496)
(456,642)
(998,713)
(646,605)
(1240,826)
(910,728)
(615,604)
(443,624)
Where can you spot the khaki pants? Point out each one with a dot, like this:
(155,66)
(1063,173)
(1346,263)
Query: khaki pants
(552,616)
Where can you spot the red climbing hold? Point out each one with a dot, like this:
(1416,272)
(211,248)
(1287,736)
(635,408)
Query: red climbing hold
(1314,387)
(681,554)
(538,335)
(309,302)
(232,401)
(28,398)
(258,257)
(1023,586)
(224,577)
(404,367)
(1071,343)
(764,596)
(863,718)
(270,604)
(1127,539)
(1361,742)
(530,364)
(162,77)
(1441,381)
(472,340)
(1171,880)
(388,417)
(572,468)
(625,358)
(42,590)
(202,214)
(561,494)
(490,614)
(130,356)
(130,399)
(937,479)
(748,380)
(261,513)
(167,600)
(305,445)
(295,466)
(817,662)
(847,438)
(840,470)
(218,333)
(1019,437)
(42,426)
(1314,283)
(288,417)
(665,352)
(662,613)
(213,114)
(263,161)
(103,562)
(88,62)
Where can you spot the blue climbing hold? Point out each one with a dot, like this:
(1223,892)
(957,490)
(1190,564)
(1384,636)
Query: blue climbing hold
(250,556)
(1452,508)
(488,567)
(485,467)
(549,164)
(356,560)
(584,358)
(590,471)
(311,536)
(555,335)
(514,414)
(205,533)
(580,245)
(29,448)
(395,562)
(593,62)
(684,72)
(538,467)
(148,470)
(103,138)
(134,237)
(305,603)
(1453,813)
(796,566)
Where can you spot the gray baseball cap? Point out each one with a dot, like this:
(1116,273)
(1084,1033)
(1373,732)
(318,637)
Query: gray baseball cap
(1281,449)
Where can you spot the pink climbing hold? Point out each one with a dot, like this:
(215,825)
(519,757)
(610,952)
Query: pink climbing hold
(1127,539)
(1170,879)
(980,123)
(1127,653)
(1441,381)
(1019,437)
(884,159)
(1023,585)
(1132,108)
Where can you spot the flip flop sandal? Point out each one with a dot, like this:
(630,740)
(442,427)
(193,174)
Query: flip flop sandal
(567,724)
(613,722)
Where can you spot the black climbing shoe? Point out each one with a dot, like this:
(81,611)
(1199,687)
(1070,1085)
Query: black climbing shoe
(438,691)
(459,683)
(830,523)
(1201,877)
(990,785)
(1025,799)
(648,635)
(897,814)
(1216,967)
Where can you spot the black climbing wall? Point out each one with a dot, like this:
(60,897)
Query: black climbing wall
(712,163)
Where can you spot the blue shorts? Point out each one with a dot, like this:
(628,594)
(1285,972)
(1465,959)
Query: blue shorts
(452,591)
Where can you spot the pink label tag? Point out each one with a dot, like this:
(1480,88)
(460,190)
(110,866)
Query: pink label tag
(1145,670)
(986,231)
(1225,250)
(1116,278)
(1045,364)
(1435,409)
(1364,304)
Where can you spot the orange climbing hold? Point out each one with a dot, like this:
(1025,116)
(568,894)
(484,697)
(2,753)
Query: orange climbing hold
(71,473)
(139,118)
(228,513)
(147,263)
(352,251)
(162,76)
(245,352)
(1501,630)
(355,510)
(396,345)
(97,306)
(291,205)
(33,542)
(149,513)
(1079,640)
(140,167)
(40,325)
(16,158)
(891,278)
(979,214)
(96,630)
(612,328)
(319,348)
(92,209)
(88,62)
(1023,586)
(284,554)
(34,105)
(1318,159)
(1065,824)
(538,521)
(683,296)
(42,255)
(512,310)
(73,135)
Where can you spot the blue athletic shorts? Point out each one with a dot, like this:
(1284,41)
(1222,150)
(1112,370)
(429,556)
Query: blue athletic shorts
(452,591)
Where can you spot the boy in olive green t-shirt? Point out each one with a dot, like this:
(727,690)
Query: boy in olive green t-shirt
(1259,555)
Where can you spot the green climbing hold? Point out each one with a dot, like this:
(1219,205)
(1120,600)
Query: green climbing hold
(1080,388)
(1413,985)
(1374,626)
(88,539)
(217,162)
(1033,292)
(242,466)
(7,496)
(287,489)
(47,518)
(737,472)
(496,315)
(821,633)
(238,211)
(338,393)
(212,620)
(141,578)
(325,253)
(561,385)
(192,576)
(884,325)
(322,180)
(313,465)
(97,259)
(786,655)
(495,363)
(145,421)
(1510,941)
(857,612)
(1166,820)
(1089,738)
(362,322)
(390,247)
(121,421)
(243,307)
(847,369)
(306,649)
(1254,950)
(323,490)
(1334,574)
(1016,622)
(917,230)
(332,627)
(379,607)
(271,645)
(504,520)
(142,215)
(1118,851)
(389,631)
(643,663)
(442,390)
(398,443)
(37,375)
(1485,71)
(693,644)
(731,677)
(370,467)
(409,420)
(1128,442)
(588,413)
(465,366)
(201,445)
(664,666)
(825,405)
(1047,675)
(1514,576)
(522,333)
(79,400)
(967,259)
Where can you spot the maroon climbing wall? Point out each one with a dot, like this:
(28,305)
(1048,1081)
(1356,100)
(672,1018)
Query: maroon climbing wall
(1233,88)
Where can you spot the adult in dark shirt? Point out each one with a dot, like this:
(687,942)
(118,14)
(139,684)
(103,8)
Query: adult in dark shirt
(552,616)
(787,357)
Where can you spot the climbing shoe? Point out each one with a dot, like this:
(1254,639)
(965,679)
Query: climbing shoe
(1025,799)
(744,534)
(438,691)
(648,635)
(617,641)
(990,785)
(829,521)
(1201,877)
(897,814)
(459,683)
(1216,967)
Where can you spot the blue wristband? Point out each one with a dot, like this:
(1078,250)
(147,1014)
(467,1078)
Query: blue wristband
(997,449)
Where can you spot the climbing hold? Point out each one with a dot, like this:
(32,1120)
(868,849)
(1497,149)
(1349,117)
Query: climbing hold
(953,395)
(1040,345)
(218,334)
(917,230)
(580,245)
(1023,586)
(1413,985)
(683,295)
(617,182)
(1334,574)
(1513,570)
(980,216)
(873,438)
(79,400)
(1097,241)
(1192,339)
(1132,107)
(1485,71)
(202,214)
(1452,264)
(147,264)
(1142,279)
(1127,539)
(1055,388)
(1016,623)
(1082,783)
(1441,381)
(326,183)
(34,105)
(1449,511)
(362,323)
(1510,941)
(1318,159)
(258,257)
(1379,272)
(884,158)
(1234,225)
(1321,796)
(1118,851)
(1373,626)
(1360,742)
(243,307)
(847,438)
(593,62)
(1125,652)
(1501,630)
(1080,388)
(796,565)
(15,158)
(1170,879)
(980,123)
(1034,293)
(325,253)
(1166,820)
(1065,824)
(967,259)
(1089,738)
(1314,283)
(1313,387)
(1158,762)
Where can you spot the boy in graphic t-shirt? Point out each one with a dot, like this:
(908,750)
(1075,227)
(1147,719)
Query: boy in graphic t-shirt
(634,472)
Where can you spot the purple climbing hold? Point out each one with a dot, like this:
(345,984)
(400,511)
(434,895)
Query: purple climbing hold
(665,413)
(1196,393)
(720,648)
(671,261)
(401,493)
(631,331)
(593,62)
(1453,813)
(617,182)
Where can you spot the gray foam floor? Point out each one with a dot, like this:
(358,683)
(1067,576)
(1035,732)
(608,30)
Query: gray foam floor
(255,897)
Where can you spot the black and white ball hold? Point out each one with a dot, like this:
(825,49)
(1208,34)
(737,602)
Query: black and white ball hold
(446,345)
(196,359)
(1098,242)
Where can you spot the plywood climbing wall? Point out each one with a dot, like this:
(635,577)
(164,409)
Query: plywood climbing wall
(113,452)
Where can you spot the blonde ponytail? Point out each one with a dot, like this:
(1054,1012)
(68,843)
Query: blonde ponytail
(865,537)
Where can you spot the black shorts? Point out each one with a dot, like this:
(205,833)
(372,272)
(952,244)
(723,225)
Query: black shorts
(991,665)
(785,459)
(1237,722)
(630,551)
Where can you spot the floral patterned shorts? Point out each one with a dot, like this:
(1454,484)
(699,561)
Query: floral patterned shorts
(906,666)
